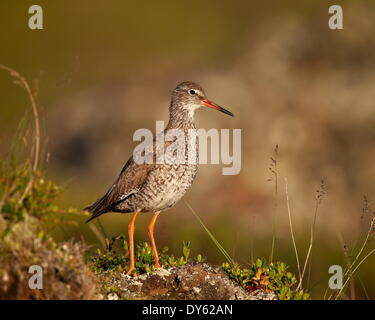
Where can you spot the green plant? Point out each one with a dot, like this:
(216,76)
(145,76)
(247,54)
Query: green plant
(268,277)
(115,257)
(37,201)
(24,191)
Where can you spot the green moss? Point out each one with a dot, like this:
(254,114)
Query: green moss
(116,257)
(24,192)
(269,277)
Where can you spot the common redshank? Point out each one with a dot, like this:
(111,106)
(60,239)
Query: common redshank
(157,186)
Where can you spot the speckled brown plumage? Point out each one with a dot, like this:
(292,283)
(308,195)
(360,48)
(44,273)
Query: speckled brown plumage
(155,187)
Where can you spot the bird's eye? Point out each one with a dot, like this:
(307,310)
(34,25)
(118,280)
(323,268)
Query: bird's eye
(192,92)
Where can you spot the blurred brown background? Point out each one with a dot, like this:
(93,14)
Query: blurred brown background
(103,69)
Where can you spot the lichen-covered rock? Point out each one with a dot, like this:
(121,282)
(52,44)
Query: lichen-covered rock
(64,272)
(198,281)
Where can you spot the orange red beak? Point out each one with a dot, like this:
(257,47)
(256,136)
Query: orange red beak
(210,104)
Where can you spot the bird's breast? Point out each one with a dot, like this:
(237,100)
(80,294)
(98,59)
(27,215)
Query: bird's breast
(166,185)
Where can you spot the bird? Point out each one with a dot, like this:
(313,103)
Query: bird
(156,186)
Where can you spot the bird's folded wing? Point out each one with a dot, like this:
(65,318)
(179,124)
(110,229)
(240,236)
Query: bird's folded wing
(128,183)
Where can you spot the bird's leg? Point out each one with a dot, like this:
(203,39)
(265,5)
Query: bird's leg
(131,241)
(151,236)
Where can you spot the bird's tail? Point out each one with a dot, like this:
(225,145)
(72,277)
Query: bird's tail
(97,208)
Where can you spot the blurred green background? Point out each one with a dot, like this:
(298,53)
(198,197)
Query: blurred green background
(103,69)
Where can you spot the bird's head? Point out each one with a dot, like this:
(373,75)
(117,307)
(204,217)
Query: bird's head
(190,96)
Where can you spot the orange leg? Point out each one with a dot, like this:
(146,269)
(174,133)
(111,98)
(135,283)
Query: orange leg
(131,241)
(151,236)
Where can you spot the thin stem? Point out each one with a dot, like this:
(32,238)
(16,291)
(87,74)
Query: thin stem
(309,252)
(291,229)
(355,269)
(348,263)
(36,148)
(34,108)
(273,169)
(364,243)
(98,235)
(252,240)
(216,242)
(102,230)
(350,267)
(364,288)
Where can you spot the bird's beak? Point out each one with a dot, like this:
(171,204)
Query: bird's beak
(210,104)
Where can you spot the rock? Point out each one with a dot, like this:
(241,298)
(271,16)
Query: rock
(195,281)
(65,273)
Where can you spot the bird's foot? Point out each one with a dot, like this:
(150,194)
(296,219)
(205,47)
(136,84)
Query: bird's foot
(157,265)
(131,269)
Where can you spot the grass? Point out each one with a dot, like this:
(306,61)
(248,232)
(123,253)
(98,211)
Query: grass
(28,214)
(215,241)
(352,268)
(319,198)
(35,153)
(308,260)
(274,171)
(24,190)
(291,229)
(115,257)
(271,277)
(291,290)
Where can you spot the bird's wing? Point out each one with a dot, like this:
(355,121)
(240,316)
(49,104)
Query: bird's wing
(130,180)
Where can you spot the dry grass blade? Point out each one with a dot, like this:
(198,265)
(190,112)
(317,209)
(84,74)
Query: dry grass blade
(22,81)
(98,234)
(348,262)
(274,172)
(320,196)
(35,150)
(350,270)
(291,229)
(354,271)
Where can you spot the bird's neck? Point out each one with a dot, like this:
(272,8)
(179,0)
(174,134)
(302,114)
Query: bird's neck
(180,119)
